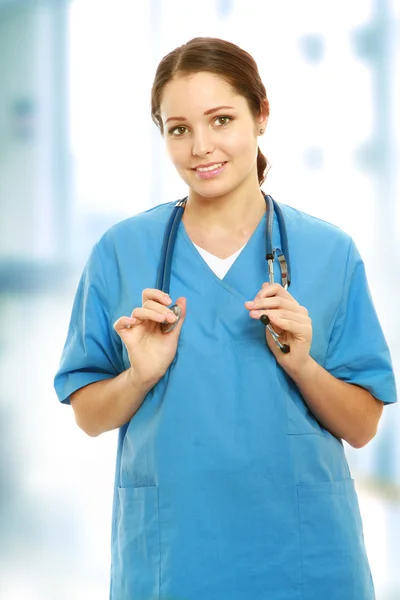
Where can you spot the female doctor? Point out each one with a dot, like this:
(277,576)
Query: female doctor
(231,478)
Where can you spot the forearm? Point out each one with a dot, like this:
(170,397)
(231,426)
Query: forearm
(108,404)
(347,411)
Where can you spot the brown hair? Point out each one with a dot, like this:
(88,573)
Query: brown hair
(222,58)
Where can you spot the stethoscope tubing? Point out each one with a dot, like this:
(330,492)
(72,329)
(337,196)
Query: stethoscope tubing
(164,271)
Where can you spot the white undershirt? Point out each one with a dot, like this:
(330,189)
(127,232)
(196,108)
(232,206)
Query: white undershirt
(220,266)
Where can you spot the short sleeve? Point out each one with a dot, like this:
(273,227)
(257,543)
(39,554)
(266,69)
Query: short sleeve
(357,351)
(91,352)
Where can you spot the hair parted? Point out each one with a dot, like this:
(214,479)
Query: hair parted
(224,59)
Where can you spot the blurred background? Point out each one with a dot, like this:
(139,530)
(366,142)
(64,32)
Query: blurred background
(79,152)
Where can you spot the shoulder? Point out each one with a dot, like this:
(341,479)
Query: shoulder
(316,239)
(145,227)
(144,222)
(306,224)
(320,245)
(136,239)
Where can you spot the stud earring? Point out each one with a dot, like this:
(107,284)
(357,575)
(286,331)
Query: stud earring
(261,131)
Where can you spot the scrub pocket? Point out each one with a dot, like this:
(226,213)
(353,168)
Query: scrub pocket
(136,561)
(334,560)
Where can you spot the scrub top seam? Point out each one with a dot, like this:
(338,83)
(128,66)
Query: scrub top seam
(104,282)
(106,306)
(340,305)
(300,542)
(159,542)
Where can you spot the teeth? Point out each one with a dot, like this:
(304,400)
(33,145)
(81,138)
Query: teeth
(211,168)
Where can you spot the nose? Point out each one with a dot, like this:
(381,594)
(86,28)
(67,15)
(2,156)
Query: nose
(202,143)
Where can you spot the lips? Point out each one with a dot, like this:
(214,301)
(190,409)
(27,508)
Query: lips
(209,167)
(210,171)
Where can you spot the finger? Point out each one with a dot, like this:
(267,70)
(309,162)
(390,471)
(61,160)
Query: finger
(274,289)
(275,302)
(289,325)
(282,314)
(124,323)
(159,308)
(157,295)
(145,314)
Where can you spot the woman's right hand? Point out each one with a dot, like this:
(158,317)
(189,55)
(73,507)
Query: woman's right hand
(150,351)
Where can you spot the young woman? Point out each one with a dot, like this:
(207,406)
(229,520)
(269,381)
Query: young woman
(231,478)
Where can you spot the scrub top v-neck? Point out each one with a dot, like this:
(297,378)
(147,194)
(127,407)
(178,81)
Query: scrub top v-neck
(232,281)
(220,266)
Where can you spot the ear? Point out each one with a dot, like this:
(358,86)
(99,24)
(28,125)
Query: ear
(263,115)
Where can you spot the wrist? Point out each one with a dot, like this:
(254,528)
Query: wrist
(138,383)
(304,372)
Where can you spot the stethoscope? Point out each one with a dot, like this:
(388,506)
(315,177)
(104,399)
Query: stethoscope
(171,230)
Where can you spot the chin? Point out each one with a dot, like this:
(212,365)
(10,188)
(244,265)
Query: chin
(211,192)
(212,189)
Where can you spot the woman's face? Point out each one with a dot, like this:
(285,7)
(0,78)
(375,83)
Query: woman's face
(210,134)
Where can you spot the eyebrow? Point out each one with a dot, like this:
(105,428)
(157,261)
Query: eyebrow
(208,112)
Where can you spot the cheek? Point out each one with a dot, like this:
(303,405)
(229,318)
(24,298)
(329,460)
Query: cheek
(177,153)
(241,145)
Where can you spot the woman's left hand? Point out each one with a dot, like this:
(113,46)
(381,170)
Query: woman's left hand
(289,320)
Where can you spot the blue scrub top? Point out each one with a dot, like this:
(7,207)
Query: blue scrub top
(226,485)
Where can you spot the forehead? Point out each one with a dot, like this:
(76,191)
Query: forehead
(194,94)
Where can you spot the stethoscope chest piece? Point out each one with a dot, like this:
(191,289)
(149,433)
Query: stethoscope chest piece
(167,327)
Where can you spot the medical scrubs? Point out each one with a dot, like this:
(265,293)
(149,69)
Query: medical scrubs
(227,487)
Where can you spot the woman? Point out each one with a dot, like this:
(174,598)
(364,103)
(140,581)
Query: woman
(231,478)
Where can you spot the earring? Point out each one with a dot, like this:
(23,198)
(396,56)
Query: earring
(261,131)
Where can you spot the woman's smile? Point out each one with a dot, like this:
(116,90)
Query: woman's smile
(210,171)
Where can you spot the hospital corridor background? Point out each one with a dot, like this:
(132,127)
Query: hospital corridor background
(79,152)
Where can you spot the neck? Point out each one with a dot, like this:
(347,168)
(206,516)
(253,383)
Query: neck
(233,211)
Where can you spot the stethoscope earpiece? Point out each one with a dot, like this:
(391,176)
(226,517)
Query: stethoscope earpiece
(283,347)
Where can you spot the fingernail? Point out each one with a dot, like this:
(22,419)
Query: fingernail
(250,303)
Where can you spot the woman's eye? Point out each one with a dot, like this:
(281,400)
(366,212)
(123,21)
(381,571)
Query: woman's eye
(180,130)
(177,131)
(223,120)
